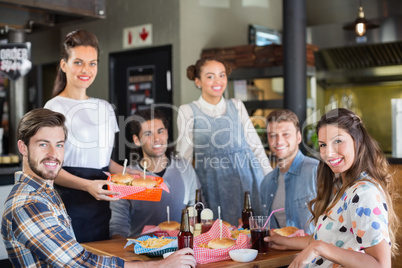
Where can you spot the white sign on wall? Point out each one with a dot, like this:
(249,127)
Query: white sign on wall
(15,59)
(137,36)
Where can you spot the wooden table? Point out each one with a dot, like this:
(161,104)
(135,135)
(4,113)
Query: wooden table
(115,247)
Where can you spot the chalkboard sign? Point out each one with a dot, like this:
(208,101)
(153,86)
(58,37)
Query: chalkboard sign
(15,60)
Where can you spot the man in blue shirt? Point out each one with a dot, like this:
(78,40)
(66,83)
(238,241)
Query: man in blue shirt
(36,228)
(292,184)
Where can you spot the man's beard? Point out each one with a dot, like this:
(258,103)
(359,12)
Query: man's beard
(49,175)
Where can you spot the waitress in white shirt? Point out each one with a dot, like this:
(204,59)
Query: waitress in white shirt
(92,125)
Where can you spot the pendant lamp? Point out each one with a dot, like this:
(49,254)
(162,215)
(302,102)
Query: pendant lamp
(361,24)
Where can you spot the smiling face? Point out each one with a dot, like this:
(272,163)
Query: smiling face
(44,155)
(284,140)
(152,138)
(81,67)
(213,81)
(337,148)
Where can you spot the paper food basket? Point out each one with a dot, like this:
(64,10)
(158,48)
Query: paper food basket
(206,255)
(152,252)
(139,193)
(151,229)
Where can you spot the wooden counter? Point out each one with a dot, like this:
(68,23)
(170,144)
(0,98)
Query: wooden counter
(115,247)
(274,258)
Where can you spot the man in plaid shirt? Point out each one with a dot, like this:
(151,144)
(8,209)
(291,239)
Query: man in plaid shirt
(36,228)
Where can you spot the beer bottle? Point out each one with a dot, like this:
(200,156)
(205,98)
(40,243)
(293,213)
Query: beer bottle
(199,206)
(185,237)
(247,210)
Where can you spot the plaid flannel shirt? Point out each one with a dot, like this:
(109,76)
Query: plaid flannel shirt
(37,230)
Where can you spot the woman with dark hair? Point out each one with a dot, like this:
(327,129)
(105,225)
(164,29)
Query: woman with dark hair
(92,125)
(353,211)
(217,135)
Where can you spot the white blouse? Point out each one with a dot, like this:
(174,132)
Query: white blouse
(91,125)
(185,124)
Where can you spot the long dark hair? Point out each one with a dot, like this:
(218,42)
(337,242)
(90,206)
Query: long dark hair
(368,158)
(73,39)
(142,116)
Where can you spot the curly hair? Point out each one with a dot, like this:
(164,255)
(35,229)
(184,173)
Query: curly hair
(369,158)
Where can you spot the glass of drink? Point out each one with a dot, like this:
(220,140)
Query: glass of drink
(258,232)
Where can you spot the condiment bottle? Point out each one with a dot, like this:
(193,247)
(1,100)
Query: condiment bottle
(192,217)
(247,210)
(185,237)
(207,217)
(199,206)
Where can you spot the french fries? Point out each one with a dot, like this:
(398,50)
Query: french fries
(235,233)
(154,242)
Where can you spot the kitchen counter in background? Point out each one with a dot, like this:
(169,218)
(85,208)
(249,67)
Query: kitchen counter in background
(396,168)
(6,184)
(394,161)
(7,173)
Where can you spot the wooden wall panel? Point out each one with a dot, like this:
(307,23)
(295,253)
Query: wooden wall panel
(397,262)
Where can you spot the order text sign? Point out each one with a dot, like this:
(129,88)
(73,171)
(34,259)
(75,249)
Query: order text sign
(15,59)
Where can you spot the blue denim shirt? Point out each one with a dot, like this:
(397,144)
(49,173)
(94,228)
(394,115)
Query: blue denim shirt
(300,188)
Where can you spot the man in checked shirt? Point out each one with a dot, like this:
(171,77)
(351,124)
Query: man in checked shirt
(36,228)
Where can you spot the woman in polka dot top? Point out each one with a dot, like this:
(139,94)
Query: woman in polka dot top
(353,211)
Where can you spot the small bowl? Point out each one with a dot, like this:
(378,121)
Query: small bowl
(243,255)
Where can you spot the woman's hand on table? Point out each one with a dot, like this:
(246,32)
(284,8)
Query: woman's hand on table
(95,188)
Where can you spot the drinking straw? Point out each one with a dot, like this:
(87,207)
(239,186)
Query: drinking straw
(269,217)
(124,166)
(168,213)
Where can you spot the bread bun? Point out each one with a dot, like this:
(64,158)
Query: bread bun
(121,179)
(218,243)
(286,231)
(227,224)
(141,182)
(169,226)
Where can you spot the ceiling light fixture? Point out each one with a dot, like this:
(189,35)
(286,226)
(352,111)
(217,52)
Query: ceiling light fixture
(361,25)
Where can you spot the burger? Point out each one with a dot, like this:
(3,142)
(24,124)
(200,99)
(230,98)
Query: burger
(227,224)
(169,226)
(141,182)
(286,231)
(121,179)
(218,243)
